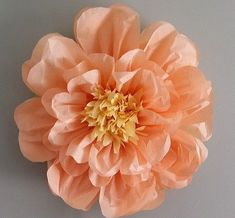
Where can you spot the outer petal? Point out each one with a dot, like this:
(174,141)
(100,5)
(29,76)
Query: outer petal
(113,30)
(168,48)
(33,123)
(76,191)
(191,87)
(198,121)
(118,199)
(194,99)
(178,168)
(51,56)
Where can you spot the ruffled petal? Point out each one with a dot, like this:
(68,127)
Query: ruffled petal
(63,105)
(47,100)
(69,165)
(121,78)
(153,90)
(168,48)
(133,180)
(79,148)
(157,143)
(76,191)
(166,121)
(178,169)
(52,55)
(33,123)
(63,132)
(86,82)
(104,161)
(198,122)
(134,160)
(95,71)
(113,30)
(77,70)
(98,180)
(191,87)
(118,199)
(129,64)
(106,66)
(131,60)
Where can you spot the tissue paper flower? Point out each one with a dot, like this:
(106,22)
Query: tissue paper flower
(119,115)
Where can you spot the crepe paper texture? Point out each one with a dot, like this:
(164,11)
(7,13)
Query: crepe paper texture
(119,115)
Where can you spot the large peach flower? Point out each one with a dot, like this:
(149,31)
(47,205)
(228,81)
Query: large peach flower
(118,115)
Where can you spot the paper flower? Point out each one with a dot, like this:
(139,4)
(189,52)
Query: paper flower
(119,115)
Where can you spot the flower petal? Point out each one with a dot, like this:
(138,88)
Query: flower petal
(106,65)
(104,161)
(131,60)
(76,191)
(123,77)
(86,82)
(191,87)
(63,132)
(190,153)
(148,117)
(133,180)
(98,180)
(80,147)
(113,30)
(33,123)
(63,105)
(157,143)
(118,199)
(168,48)
(69,165)
(134,160)
(51,56)
(47,100)
(77,70)
(155,95)
(198,122)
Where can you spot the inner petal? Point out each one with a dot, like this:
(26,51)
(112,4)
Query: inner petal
(113,116)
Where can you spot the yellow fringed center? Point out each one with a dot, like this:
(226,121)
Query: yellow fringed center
(113,116)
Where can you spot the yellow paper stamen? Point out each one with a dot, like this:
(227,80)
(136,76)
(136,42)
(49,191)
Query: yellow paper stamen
(113,116)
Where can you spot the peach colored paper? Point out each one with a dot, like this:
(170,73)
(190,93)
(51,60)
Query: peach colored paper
(156,70)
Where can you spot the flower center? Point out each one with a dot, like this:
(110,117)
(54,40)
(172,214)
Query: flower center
(113,116)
